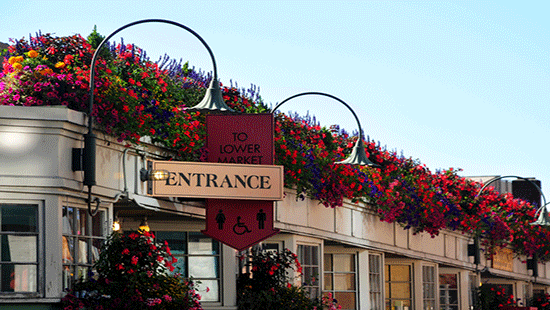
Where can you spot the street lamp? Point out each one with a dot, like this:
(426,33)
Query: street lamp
(543,217)
(358,155)
(212,100)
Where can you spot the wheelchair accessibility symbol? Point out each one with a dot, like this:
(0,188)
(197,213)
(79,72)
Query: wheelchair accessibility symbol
(240,228)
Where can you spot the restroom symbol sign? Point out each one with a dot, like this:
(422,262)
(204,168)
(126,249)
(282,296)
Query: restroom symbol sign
(239,223)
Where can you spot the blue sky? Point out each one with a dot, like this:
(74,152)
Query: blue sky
(463,84)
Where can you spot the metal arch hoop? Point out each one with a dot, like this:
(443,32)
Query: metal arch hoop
(323,94)
(89,138)
(358,155)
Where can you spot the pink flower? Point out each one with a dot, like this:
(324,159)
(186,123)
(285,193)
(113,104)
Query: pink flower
(134,260)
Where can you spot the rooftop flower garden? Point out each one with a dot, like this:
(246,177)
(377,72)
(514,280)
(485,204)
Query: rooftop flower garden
(136,97)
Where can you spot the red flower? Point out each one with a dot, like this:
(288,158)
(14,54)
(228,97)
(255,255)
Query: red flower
(133,236)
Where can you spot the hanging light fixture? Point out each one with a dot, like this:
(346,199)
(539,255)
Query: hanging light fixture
(153,175)
(144,226)
(116,224)
(543,218)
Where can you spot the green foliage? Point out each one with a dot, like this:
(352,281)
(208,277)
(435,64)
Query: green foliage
(95,39)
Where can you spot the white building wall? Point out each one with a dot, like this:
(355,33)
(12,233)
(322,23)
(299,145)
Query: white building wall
(36,155)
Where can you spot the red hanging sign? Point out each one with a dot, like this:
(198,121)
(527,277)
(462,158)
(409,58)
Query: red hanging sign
(239,223)
(240,139)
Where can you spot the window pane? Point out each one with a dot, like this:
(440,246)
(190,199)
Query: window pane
(209,290)
(310,276)
(428,291)
(68,273)
(308,254)
(82,272)
(374,280)
(68,221)
(344,262)
(312,255)
(344,282)
(19,218)
(203,266)
(82,251)
(328,282)
(68,250)
(18,248)
(201,244)
(176,240)
(374,263)
(400,290)
(429,305)
(81,216)
(98,222)
(96,248)
(18,278)
(453,297)
(328,262)
(448,280)
(400,273)
(345,299)
(179,266)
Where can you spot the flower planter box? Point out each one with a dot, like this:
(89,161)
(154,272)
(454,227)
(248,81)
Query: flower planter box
(519,308)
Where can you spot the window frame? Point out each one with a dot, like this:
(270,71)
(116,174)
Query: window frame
(387,282)
(75,264)
(380,276)
(433,283)
(39,255)
(333,272)
(186,256)
(301,279)
(441,290)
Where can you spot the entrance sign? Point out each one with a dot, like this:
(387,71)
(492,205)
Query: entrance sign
(217,180)
(239,223)
(240,139)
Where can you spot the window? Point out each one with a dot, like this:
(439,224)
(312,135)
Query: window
(375,281)
(398,286)
(448,291)
(340,279)
(82,238)
(198,258)
(308,256)
(19,248)
(428,284)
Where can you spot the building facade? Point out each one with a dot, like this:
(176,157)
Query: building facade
(49,239)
